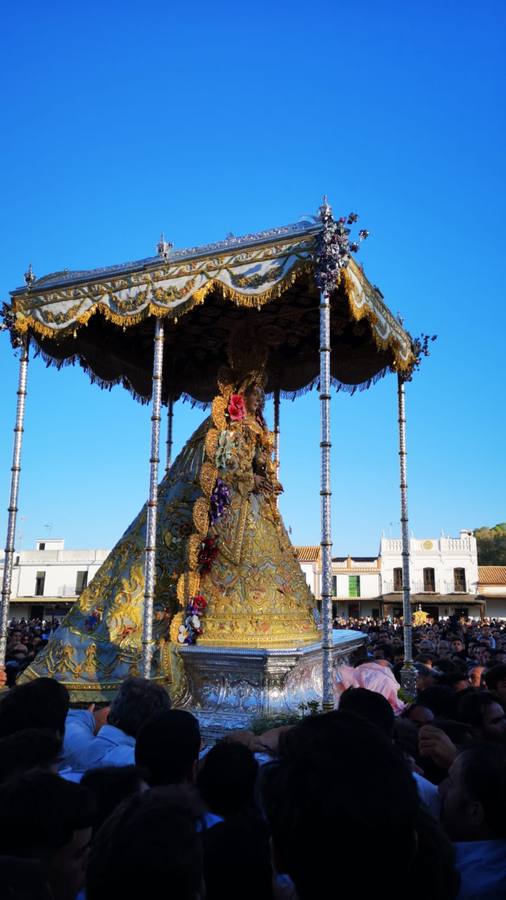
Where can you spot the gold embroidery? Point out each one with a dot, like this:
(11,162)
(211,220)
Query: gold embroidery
(218,411)
(208,475)
(188,586)
(211,443)
(201,515)
(193,550)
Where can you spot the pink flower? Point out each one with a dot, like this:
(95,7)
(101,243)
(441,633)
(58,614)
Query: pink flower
(237,408)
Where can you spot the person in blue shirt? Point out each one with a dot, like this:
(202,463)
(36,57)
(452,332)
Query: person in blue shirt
(473,812)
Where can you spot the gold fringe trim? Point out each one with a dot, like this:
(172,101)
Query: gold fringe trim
(361,311)
(25,322)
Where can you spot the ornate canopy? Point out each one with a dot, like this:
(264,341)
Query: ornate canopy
(103,318)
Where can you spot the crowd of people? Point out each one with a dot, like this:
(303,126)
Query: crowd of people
(128,800)
(25,638)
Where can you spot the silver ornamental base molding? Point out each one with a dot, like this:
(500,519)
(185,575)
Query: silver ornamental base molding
(230,687)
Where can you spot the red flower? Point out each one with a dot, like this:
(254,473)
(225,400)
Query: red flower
(199,601)
(237,408)
(208,551)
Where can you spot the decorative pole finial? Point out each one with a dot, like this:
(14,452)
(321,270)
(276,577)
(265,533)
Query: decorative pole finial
(163,247)
(334,246)
(325,209)
(29,276)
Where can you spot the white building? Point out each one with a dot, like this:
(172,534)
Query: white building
(444,578)
(443,575)
(492,589)
(47,580)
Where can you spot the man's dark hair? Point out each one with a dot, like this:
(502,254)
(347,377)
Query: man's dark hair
(471,707)
(452,679)
(237,853)
(227,779)
(449,666)
(371,705)
(426,657)
(494,676)
(439,698)
(28,749)
(484,778)
(42,703)
(110,785)
(39,812)
(433,873)
(387,651)
(459,733)
(23,879)
(149,841)
(136,701)
(312,811)
(168,746)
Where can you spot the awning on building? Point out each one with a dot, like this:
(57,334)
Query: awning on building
(435,599)
(48,601)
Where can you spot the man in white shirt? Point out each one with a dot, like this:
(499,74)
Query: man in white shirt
(114,745)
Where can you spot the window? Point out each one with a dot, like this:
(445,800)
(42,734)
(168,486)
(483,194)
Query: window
(459,578)
(375,613)
(81,582)
(334,585)
(42,545)
(398,579)
(39,584)
(353,585)
(429,580)
(353,608)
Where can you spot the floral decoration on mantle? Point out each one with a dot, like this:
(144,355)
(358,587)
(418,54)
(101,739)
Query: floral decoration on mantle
(236,408)
(191,628)
(93,620)
(220,499)
(207,555)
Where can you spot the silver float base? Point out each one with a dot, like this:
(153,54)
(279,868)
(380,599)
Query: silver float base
(230,687)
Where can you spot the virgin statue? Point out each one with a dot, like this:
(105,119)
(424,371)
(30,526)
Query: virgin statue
(226,572)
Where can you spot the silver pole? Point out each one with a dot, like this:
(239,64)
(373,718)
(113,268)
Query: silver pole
(150,550)
(276,433)
(408,672)
(170,420)
(325,492)
(13,501)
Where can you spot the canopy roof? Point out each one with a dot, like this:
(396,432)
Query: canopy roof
(103,318)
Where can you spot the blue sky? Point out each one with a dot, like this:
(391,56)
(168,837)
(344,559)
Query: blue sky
(122,119)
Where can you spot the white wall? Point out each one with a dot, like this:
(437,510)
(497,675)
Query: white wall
(59,566)
(443,555)
(311,575)
(496,608)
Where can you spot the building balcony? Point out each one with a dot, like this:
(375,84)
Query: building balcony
(418,587)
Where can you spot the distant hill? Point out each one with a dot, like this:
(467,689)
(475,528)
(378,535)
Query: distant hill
(491,545)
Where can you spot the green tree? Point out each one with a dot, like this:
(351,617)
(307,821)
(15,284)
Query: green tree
(491,545)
